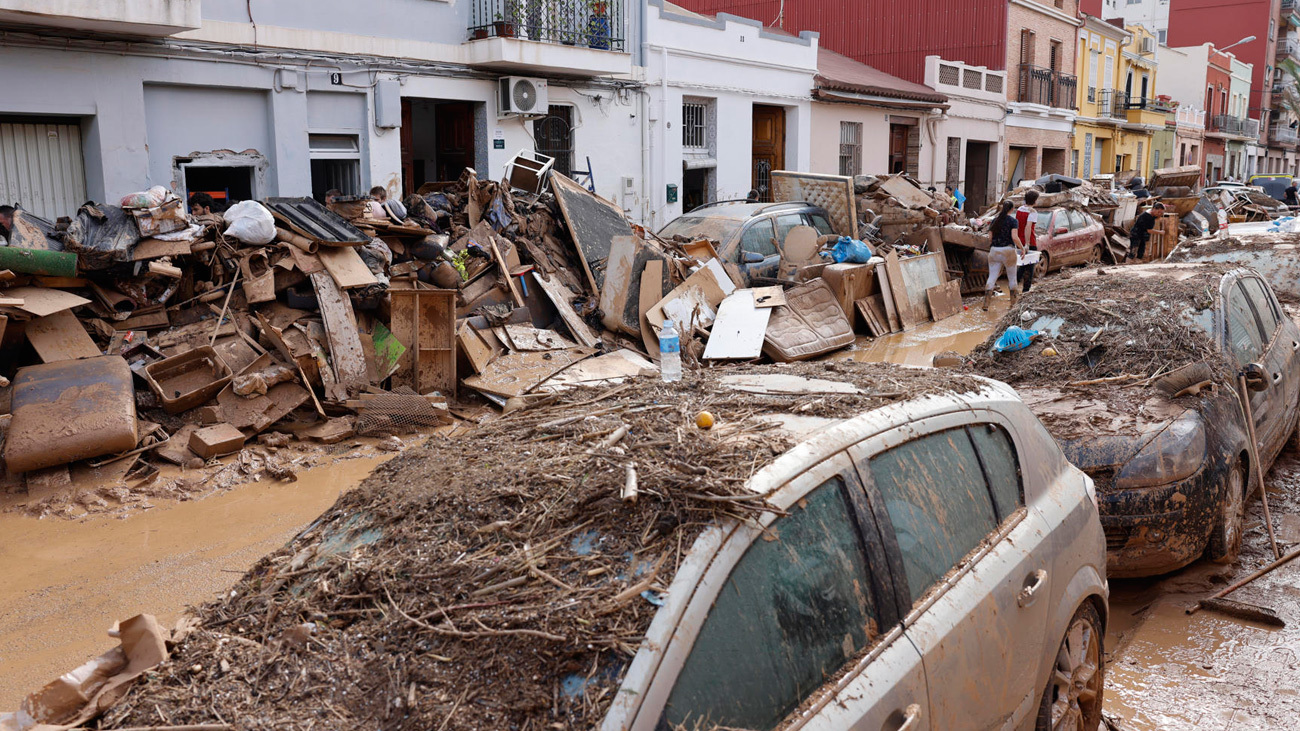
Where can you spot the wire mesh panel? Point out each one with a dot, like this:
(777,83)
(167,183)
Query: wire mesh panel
(850,148)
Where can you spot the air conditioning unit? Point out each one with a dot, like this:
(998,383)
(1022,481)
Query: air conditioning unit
(522,96)
(1148,45)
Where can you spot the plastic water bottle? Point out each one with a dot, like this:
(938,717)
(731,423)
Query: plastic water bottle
(670,353)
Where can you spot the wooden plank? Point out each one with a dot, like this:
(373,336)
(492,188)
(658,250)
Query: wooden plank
(346,354)
(698,297)
(527,337)
(562,298)
(61,337)
(478,352)
(619,276)
(43,301)
(919,274)
(906,193)
(769,296)
(515,374)
(505,272)
(738,329)
(346,267)
(156,248)
(945,299)
(652,290)
(869,317)
(898,291)
(593,222)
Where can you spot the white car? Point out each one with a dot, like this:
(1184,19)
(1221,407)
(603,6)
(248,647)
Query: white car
(939,566)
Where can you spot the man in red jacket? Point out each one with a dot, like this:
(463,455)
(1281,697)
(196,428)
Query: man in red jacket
(1026,220)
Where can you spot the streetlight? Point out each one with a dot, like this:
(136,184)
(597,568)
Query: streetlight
(1247,39)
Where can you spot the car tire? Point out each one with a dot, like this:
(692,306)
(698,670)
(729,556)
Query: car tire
(1225,539)
(1073,696)
(1044,263)
(1095,256)
(1293,441)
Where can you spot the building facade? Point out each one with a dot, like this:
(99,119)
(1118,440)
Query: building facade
(1103,107)
(967,150)
(1041,107)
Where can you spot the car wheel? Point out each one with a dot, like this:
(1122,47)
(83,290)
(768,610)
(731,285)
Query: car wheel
(1072,699)
(1095,256)
(1293,442)
(1225,540)
(1040,269)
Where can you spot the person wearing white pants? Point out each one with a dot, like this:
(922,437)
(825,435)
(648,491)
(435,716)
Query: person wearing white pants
(1003,250)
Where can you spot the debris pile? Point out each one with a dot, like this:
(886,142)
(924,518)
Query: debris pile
(469,589)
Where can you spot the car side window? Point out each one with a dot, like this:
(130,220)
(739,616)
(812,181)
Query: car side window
(1263,302)
(786,222)
(1077,220)
(937,500)
(1044,220)
(794,610)
(1243,330)
(757,238)
(998,456)
(821,223)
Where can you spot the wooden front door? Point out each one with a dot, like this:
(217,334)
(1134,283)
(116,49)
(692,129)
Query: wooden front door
(454,123)
(898,148)
(769,147)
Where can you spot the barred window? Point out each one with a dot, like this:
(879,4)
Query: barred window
(850,148)
(695,125)
(553,135)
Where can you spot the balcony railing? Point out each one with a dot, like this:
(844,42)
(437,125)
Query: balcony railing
(1112,103)
(1288,5)
(1283,133)
(1038,85)
(1228,124)
(1190,117)
(1159,106)
(1287,47)
(589,23)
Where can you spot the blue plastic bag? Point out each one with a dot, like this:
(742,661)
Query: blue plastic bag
(850,250)
(1014,339)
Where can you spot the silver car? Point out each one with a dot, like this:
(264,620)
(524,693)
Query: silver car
(939,565)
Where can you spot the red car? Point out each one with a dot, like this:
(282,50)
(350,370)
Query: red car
(1067,237)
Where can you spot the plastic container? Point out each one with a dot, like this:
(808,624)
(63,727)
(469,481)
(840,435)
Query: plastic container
(670,353)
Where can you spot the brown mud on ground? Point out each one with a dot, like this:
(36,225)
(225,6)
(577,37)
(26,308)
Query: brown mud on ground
(67,581)
(1208,671)
(918,346)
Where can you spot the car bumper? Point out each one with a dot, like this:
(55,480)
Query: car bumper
(1155,530)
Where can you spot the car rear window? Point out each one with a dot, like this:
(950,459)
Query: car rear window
(716,228)
(1044,220)
(795,609)
(938,502)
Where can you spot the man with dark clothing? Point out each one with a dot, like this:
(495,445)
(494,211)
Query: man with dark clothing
(1289,195)
(6,221)
(1141,231)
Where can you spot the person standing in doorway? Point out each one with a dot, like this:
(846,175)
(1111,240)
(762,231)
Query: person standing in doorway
(1003,248)
(1026,221)
(1141,231)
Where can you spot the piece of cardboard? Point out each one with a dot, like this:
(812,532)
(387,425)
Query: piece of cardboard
(898,291)
(695,301)
(769,296)
(650,294)
(945,299)
(738,330)
(346,267)
(60,337)
(152,248)
(43,301)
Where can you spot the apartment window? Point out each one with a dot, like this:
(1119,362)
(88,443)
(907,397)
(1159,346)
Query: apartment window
(553,136)
(1074,163)
(850,148)
(1110,73)
(695,127)
(1026,47)
(1162,35)
(1092,74)
(1139,158)
(1060,3)
(335,163)
(1223,102)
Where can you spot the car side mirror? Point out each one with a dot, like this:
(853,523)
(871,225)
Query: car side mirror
(1062,230)
(1256,377)
(750,257)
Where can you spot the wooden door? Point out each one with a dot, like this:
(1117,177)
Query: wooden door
(454,130)
(898,148)
(409,183)
(977,177)
(769,147)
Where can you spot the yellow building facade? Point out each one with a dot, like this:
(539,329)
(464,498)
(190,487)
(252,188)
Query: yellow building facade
(1118,109)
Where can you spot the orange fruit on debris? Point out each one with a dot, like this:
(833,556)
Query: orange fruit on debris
(704,420)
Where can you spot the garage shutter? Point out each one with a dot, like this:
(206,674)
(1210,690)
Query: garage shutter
(41,168)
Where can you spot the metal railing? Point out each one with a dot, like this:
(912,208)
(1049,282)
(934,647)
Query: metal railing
(1288,5)
(1229,125)
(1038,85)
(1150,105)
(1283,133)
(1287,47)
(1112,103)
(595,24)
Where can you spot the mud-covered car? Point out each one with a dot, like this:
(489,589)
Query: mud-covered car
(845,545)
(749,235)
(1272,254)
(1142,395)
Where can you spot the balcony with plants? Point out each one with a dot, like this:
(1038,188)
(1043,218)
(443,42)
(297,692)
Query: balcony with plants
(156,19)
(1147,111)
(550,36)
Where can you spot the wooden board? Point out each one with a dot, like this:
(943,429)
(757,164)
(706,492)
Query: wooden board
(898,292)
(698,297)
(868,315)
(505,272)
(515,374)
(769,296)
(61,337)
(527,337)
(346,354)
(906,193)
(593,222)
(424,320)
(562,298)
(43,301)
(156,248)
(477,352)
(652,290)
(945,299)
(346,267)
(739,328)
(919,274)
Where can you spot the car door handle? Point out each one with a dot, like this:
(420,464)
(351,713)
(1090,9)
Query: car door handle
(1033,583)
(911,718)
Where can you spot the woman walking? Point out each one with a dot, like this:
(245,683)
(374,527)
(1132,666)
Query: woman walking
(1003,249)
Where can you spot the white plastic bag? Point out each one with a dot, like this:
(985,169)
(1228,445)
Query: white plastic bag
(152,198)
(250,222)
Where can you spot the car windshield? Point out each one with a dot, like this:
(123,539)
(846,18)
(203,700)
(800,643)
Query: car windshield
(715,228)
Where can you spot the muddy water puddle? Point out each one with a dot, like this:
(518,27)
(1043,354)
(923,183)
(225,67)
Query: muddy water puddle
(66,582)
(918,345)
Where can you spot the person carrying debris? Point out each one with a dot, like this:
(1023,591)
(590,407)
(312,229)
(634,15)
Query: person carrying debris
(958,200)
(1004,247)
(1026,223)
(1141,231)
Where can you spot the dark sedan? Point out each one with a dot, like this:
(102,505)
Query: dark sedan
(1161,430)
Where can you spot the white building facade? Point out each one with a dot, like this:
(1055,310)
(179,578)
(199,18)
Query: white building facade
(965,149)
